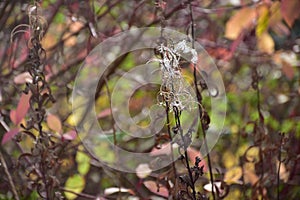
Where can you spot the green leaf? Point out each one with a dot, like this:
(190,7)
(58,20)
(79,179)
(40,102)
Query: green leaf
(59,18)
(287,126)
(75,183)
(83,162)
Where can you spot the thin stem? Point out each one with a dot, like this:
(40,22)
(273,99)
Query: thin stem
(10,180)
(199,99)
(112,119)
(279,165)
(114,132)
(86,196)
(178,125)
(170,138)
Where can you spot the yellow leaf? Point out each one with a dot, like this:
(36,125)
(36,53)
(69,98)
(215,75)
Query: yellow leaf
(265,43)
(83,162)
(229,160)
(263,20)
(75,183)
(234,193)
(241,20)
(233,175)
(252,154)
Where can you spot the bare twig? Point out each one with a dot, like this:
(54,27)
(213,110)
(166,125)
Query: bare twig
(86,196)
(10,180)
(279,166)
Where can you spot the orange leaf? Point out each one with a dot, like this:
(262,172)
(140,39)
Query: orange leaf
(54,123)
(17,115)
(241,20)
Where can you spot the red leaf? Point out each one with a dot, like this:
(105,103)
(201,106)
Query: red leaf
(164,150)
(288,70)
(9,135)
(71,135)
(104,113)
(290,11)
(54,123)
(13,116)
(193,153)
(17,115)
(153,187)
(23,78)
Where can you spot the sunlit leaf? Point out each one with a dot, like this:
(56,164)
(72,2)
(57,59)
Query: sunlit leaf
(9,135)
(266,43)
(112,190)
(242,19)
(143,170)
(217,185)
(263,20)
(54,123)
(75,183)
